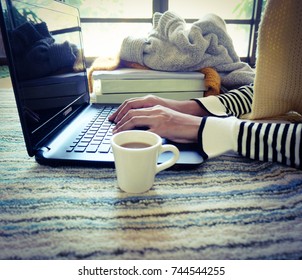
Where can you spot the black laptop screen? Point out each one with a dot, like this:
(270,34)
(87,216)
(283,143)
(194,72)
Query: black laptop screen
(44,48)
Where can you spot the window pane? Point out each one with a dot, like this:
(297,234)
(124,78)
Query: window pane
(240,35)
(227,9)
(113,8)
(105,38)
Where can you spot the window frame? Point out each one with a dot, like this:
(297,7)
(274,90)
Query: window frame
(163,5)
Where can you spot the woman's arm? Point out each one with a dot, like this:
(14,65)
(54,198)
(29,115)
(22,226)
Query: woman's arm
(191,121)
(235,102)
(277,142)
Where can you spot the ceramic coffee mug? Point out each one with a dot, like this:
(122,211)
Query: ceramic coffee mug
(136,154)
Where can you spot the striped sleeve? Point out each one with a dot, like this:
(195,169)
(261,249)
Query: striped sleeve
(277,142)
(235,102)
(238,101)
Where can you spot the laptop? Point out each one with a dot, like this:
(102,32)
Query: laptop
(44,48)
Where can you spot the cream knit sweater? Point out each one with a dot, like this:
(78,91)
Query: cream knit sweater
(278,81)
(276,92)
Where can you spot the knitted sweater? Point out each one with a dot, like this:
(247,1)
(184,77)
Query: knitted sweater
(277,91)
(278,82)
(172,46)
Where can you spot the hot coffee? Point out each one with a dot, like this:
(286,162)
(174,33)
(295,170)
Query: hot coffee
(136,145)
(136,155)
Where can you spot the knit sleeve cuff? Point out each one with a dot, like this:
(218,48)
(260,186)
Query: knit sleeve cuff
(168,23)
(133,50)
(212,105)
(156,18)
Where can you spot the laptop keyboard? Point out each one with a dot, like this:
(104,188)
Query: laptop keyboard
(95,137)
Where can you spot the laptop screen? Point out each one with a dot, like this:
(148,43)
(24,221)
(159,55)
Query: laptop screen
(45,53)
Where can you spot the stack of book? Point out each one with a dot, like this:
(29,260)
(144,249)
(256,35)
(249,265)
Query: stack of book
(115,86)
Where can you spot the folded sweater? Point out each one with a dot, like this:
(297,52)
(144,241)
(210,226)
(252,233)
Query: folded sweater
(173,46)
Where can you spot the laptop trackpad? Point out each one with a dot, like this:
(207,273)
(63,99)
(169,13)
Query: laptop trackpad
(188,154)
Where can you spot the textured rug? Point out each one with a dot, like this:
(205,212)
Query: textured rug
(228,208)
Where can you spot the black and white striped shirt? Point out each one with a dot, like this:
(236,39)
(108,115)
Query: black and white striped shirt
(238,102)
(266,141)
(276,142)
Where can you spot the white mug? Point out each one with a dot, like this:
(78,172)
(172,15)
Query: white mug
(136,154)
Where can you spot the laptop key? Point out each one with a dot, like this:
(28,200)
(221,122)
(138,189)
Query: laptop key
(70,149)
(79,149)
(95,137)
(104,148)
(92,148)
(82,145)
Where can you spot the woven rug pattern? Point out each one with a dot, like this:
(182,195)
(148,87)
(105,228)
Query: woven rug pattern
(228,208)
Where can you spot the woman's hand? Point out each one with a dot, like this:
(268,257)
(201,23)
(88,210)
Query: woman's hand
(165,122)
(190,107)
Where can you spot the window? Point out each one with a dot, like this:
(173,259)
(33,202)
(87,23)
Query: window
(106,22)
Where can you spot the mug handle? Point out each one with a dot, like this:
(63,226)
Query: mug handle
(171,161)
